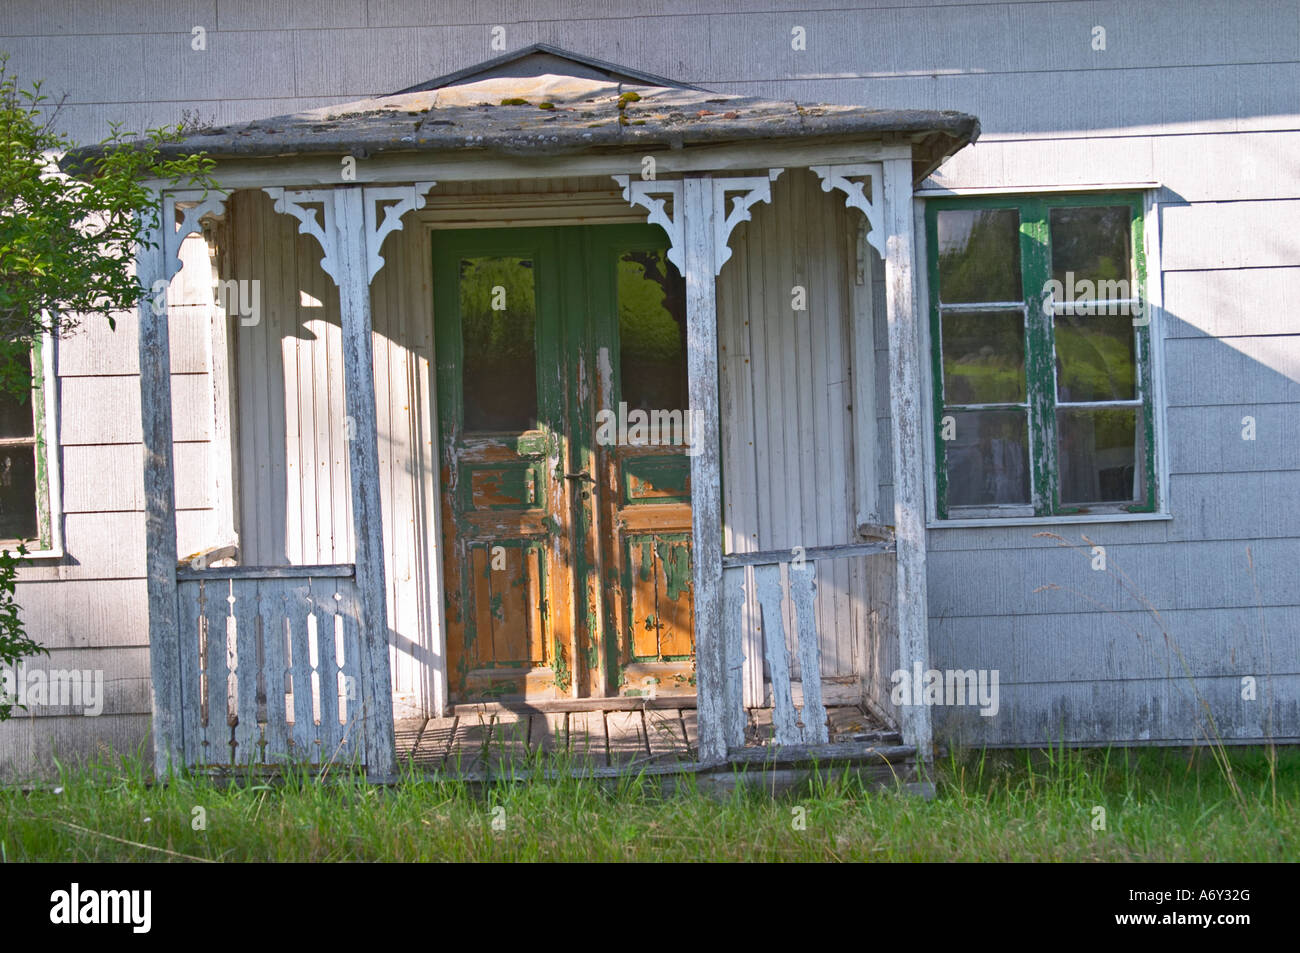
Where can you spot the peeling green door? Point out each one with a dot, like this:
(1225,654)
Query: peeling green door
(566,508)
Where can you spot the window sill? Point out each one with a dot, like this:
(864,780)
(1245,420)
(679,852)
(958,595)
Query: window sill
(986,522)
(37,553)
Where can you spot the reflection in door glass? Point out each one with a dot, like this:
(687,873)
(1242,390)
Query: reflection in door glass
(498,315)
(652,332)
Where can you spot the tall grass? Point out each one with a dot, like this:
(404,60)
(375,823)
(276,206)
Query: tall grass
(1160,804)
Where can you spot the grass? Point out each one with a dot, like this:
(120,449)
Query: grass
(1160,805)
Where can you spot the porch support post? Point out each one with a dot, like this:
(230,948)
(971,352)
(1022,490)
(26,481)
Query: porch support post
(907,428)
(353,280)
(706,486)
(159,508)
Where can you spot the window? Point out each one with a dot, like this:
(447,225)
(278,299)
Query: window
(1041,349)
(25,465)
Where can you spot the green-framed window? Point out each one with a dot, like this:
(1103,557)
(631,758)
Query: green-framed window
(27,494)
(1040,341)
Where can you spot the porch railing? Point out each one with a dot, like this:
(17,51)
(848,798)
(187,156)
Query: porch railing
(806,724)
(270,665)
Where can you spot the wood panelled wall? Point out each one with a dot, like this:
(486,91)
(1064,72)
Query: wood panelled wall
(787,406)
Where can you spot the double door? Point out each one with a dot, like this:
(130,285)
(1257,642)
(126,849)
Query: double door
(564,439)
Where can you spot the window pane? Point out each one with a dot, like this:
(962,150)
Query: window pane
(988,458)
(1091,245)
(984,357)
(979,255)
(15,415)
(17,492)
(652,332)
(498,314)
(1095,358)
(1098,455)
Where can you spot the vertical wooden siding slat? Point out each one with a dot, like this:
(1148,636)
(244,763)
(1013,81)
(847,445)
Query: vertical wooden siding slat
(354,735)
(216,610)
(298,609)
(325,608)
(247,671)
(271,611)
(191,665)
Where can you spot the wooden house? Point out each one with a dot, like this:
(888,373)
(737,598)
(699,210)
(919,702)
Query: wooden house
(554,397)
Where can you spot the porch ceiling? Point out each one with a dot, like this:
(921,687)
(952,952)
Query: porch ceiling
(557,115)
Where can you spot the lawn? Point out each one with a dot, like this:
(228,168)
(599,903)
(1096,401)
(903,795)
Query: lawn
(1159,805)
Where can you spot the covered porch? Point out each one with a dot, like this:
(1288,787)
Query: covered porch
(327,611)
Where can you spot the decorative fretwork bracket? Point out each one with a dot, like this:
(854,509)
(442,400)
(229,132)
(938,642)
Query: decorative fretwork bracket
(753,189)
(644,193)
(396,200)
(841,177)
(653,196)
(301,205)
(194,206)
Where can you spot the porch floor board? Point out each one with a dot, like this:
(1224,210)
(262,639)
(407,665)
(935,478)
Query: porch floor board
(489,742)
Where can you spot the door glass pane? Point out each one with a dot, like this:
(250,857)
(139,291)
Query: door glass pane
(15,415)
(983,357)
(498,315)
(1098,455)
(988,458)
(17,492)
(652,332)
(1095,357)
(979,255)
(1090,245)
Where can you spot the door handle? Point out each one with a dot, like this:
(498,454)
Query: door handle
(580,475)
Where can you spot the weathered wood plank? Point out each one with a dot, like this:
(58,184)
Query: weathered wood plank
(325,608)
(298,611)
(548,732)
(245,609)
(190,664)
(627,738)
(803,589)
(216,610)
(274,670)
(908,432)
(363,456)
(509,745)
(718,727)
(733,632)
(587,737)
(340,571)
(665,734)
(160,511)
(774,556)
(767,579)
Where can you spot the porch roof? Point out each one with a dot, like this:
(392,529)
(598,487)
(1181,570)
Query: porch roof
(557,115)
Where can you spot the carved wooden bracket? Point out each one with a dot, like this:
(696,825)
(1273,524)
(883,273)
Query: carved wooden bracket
(653,196)
(841,177)
(194,206)
(753,189)
(644,194)
(301,205)
(396,201)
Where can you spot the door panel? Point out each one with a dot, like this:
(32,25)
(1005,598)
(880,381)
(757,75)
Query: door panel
(645,470)
(567,542)
(496,302)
